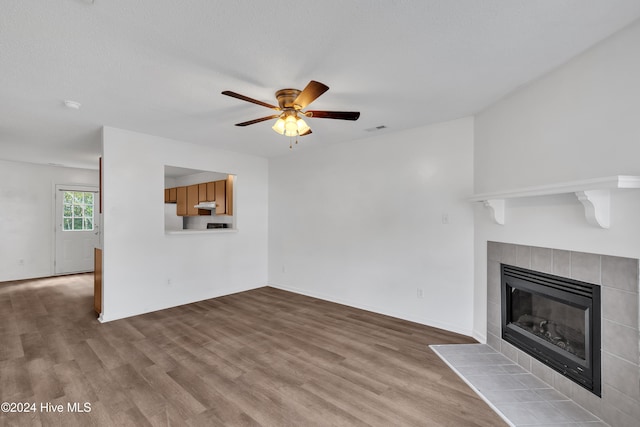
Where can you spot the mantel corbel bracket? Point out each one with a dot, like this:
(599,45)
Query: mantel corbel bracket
(496,207)
(596,206)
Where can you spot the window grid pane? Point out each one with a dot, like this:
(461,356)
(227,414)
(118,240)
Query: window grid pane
(77,211)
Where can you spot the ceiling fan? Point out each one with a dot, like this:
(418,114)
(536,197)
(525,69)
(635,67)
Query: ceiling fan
(291,102)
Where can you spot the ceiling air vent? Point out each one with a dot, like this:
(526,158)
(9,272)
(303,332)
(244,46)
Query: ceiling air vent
(373,129)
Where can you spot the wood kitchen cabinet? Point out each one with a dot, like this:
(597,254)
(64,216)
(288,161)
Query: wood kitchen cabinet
(187,197)
(170,195)
(192,200)
(202,192)
(221,197)
(229,194)
(196,194)
(211,191)
(181,201)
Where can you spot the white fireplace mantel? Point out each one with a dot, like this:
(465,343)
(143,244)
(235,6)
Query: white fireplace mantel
(594,194)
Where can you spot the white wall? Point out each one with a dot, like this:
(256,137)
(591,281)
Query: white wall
(27,216)
(360,223)
(580,121)
(146,269)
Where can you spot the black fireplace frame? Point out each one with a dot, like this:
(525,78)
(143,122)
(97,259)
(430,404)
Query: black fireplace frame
(585,296)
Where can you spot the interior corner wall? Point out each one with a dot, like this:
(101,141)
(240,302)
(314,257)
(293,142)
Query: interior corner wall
(27,216)
(372,223)
(578,122)
(145,269)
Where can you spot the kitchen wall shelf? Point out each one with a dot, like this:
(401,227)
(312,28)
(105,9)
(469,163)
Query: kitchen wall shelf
(594,194)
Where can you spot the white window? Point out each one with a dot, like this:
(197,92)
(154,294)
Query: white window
(77,211)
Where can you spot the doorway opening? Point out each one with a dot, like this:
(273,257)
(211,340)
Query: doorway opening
(77,228)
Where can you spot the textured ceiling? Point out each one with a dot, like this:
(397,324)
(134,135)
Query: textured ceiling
(158,66)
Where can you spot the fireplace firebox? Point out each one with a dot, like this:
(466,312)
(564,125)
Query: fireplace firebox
(555,320)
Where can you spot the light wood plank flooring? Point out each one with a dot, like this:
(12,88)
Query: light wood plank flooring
(259,358)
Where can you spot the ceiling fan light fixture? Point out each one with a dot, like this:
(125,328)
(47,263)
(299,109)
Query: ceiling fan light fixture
(291,103)
(279,126)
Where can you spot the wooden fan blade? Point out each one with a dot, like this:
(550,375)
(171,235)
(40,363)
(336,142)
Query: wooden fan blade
(310,93)
(246,98)
(341,115)
(262,119)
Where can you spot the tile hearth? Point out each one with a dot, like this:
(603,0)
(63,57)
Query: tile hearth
(519,397)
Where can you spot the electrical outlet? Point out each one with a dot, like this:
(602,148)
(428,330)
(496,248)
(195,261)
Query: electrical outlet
(283,269)
(419,293)
(20,262)
(169,282)
(445,218)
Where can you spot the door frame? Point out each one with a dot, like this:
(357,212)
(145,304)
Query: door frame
(57,188)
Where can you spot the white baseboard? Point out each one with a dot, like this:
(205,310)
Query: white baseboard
(481,338)
(423,321)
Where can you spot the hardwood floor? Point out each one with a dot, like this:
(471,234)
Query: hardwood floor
(259,358)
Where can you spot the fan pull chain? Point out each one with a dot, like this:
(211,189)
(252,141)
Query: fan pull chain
(291,142)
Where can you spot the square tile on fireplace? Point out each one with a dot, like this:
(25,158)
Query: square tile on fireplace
(585,267)
(575,412)
(464,349)
(475,359)
(544,412)
(508,255)
(550,394)
(620,341)
(542,371)
(542,259)
(494,251)
(620,273)
(523,256)
(490,370)
(530,381)
(495,382)
(623,406)
(620,307)
(621,375)
(511,396)
(520,398)
(561,263)
(493,282)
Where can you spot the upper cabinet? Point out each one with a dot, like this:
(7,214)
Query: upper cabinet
(171,195)
(229,194)
(192,200)
(186,197)
(211,192)
(181,201)
(221,197)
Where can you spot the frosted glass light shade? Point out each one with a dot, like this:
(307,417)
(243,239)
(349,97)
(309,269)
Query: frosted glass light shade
(302,127)
(279,126)
(290,126)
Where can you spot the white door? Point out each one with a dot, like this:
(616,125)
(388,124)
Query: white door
(77,228)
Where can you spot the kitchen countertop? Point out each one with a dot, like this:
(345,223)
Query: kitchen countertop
(208,231)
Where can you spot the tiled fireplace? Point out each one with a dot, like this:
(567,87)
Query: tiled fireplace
(620,336)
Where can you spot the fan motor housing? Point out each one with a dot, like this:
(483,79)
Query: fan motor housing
(286,97)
